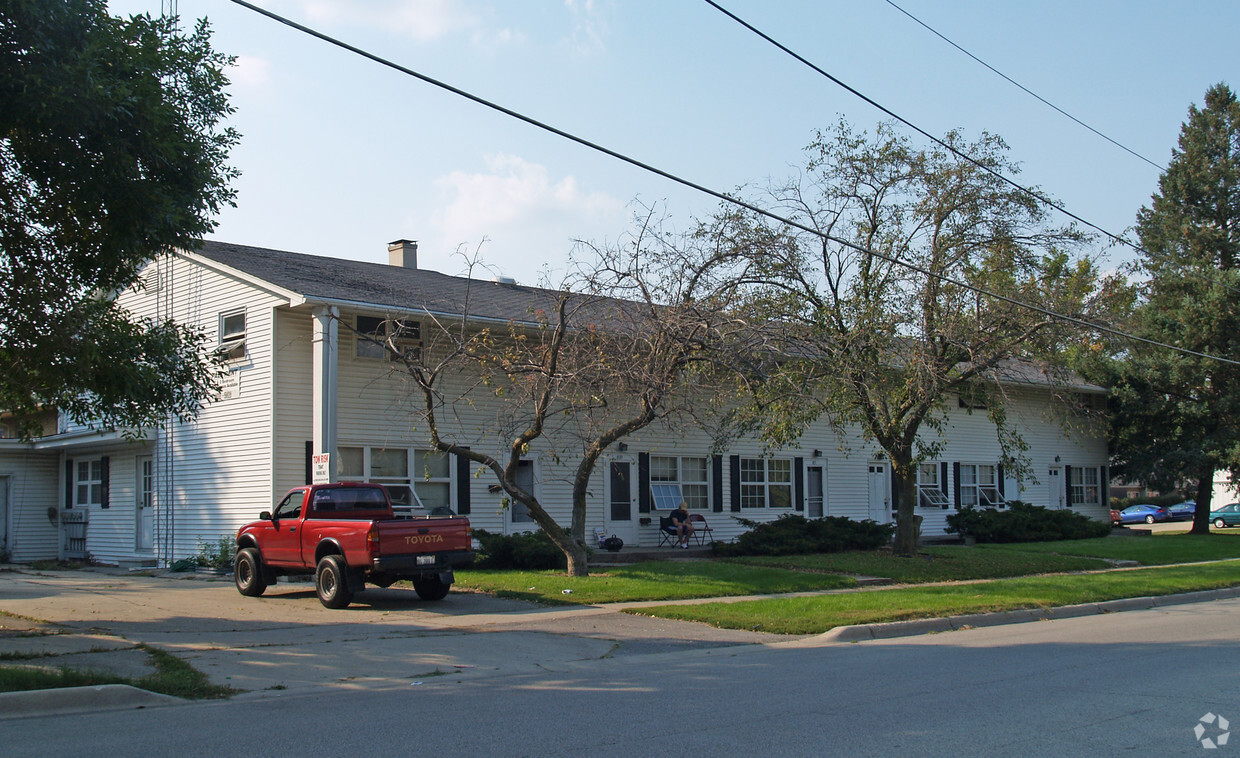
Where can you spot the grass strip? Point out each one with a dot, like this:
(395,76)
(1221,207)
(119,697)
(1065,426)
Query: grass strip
(933,564)
(172,676)
(814,615)
(653,580)
(1161,549)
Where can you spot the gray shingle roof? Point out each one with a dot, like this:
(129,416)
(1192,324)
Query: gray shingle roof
(380,285)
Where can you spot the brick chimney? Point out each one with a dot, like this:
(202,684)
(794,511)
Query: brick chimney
(403,253)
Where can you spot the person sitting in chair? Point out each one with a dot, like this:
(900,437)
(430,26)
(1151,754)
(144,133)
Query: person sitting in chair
(684,527)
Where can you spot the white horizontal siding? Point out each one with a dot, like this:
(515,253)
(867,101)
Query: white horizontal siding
(33,482)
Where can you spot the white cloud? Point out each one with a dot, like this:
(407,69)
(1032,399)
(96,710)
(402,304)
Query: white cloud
(529,217)
(249,71)
(424,20)
(589,27)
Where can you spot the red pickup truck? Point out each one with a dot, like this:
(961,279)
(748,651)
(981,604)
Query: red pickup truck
(347,535)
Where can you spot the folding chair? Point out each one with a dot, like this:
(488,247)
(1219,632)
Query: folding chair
(700,529)
(667,532)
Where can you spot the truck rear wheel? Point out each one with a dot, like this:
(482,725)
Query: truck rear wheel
(248,572)
(331,582)
(431,588)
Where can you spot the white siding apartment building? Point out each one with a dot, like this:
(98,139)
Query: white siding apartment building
(300,384)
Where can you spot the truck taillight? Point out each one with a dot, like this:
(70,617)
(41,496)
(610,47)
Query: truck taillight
(372,540)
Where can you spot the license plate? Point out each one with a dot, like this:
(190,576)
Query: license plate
(426,560)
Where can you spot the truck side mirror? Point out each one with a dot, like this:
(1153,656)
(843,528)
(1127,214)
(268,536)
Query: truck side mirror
(264,516)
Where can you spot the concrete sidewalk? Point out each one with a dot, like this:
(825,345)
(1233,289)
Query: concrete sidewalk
(287,642)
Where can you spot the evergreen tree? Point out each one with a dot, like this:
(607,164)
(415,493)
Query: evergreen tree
(1176,418)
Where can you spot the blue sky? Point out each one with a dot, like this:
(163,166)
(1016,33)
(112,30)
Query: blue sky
(340,155)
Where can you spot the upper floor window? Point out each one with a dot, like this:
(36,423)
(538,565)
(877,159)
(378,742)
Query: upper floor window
(677,479)
(232,336)
(373,336)
(766,483)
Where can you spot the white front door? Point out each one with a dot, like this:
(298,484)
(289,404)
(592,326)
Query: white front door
(621,492)
(880,493)
(144,518)
(1054,484)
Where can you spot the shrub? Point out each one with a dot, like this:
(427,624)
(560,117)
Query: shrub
(796,535)
(1023,522)
(532,551)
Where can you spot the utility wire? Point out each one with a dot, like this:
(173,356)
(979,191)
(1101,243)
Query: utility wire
(1065,318)
(955,151)
(1026,90)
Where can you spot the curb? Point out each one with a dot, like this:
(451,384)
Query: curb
(104,697)
(893,629)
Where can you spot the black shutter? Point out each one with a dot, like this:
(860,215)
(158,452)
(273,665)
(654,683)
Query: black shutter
(309,461)
(943,484)
(734,478)
(798,496)
(999,481)
(105,482)
(1104,487)
(643,482)
(68,482)
(716,483)
(956,484)
(462,485)
(1067,485)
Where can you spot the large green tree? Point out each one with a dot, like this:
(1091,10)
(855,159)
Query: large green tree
(112,152)
(1176,417)
(875,294)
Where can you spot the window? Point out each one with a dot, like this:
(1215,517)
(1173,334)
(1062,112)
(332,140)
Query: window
(979,485)
(232,336)
(766,483)
(290,506)
(675,479)
(413,478)
(88,483)
(929,488)
(1084,484)
(407,336)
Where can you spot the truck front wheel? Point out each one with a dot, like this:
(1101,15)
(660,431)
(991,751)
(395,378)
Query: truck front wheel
(248,572)
(331,582)
(431,587)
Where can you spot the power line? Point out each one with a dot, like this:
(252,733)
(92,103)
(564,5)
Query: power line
(1025,89)
(1065,318)
(955,151)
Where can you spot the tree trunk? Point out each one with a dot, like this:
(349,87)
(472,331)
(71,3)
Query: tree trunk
(578,562)
(908,523)
(1201,516)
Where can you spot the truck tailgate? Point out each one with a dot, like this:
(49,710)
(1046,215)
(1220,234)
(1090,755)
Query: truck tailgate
(432,535)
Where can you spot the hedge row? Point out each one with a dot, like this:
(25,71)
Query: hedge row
(1023,522)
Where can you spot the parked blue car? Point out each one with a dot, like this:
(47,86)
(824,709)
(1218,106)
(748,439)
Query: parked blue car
(1183,511)
(1147,513)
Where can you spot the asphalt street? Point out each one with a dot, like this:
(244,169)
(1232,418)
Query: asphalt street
(1135,683)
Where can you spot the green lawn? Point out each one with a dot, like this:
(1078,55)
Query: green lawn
(934,564)
(814,615)
(1157,550)
(655,580)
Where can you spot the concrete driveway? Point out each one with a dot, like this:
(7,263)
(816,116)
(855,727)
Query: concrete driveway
(94,618)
